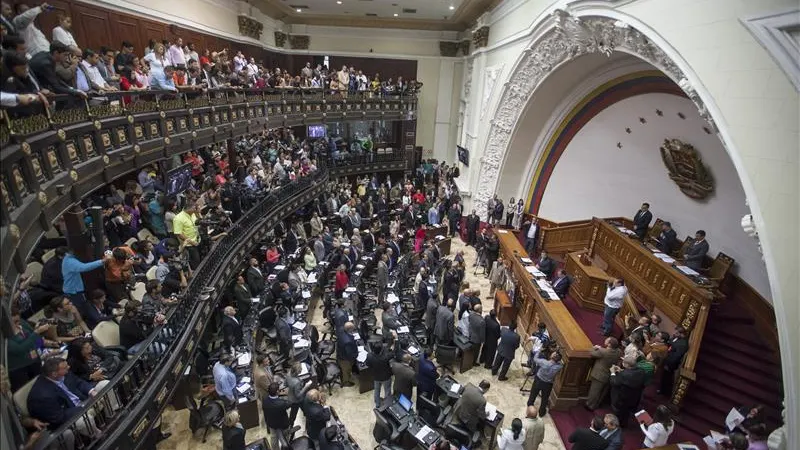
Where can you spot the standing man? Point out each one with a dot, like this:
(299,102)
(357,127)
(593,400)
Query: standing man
(382,277)
(225,379)
(544,379)
(667,239)
(641,221)
(346,353)
(444,329)
(509,342)
(694,255)
(534,429)
(477,329)
(589,438)
(470,409)
(317,415)
(627,384)
(255,279)
(276,416)
(473,222)
(379,361)
(615,296)
(492,335)
(433,215)
(678,347)
(71,270)
(185,230)
(296,390)
(497,277)
(604,358)
(243,297)
(404,377)
(532,236)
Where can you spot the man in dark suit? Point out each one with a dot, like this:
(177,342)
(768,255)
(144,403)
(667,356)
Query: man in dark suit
(509,343)
(368,241)
(290,243)
(473,222)
(317,415)
(561,283)
(410,218)
(641,221)
(231,327)
(696,252)
(404,377)
(612,433)
(422,294)
(604,358)
(255,279)
(492,335)
(678,347)
(546,265)
(444,329)
(667,239)
(627,384)
(57,394)
(329,439)
(276,415)
(477,328)
(243,297)
(470,409)
(430,318)
(589,438)
(346,352)
(283,331)
(382,277)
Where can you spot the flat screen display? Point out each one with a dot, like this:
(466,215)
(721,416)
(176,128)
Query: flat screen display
(317,131)
(179,179)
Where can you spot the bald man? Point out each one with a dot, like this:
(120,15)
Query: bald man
(534,429)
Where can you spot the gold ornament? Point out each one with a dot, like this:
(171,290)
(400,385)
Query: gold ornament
(74,175)
(26,148)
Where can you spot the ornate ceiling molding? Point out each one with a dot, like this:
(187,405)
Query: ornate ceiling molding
(779,33)
(568,38)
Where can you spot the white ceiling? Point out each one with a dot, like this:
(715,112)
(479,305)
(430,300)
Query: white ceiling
(425,9)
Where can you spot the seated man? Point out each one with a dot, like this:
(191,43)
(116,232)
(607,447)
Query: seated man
(561,283)
(667,240)
(470,409)
(58,394)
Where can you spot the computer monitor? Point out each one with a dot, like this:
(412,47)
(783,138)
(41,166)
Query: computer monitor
(404,402)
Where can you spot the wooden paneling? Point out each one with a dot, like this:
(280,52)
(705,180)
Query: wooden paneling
(126,28)
(759,308)
(571,384)
(406,68)
(589,283)
(92,27)
(567,238)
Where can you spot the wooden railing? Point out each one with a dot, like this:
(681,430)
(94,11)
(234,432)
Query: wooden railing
(687,375)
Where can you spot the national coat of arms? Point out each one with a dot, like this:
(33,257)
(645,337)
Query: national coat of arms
(686,169)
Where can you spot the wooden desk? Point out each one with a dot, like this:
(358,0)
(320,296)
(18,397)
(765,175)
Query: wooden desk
(506,312)
(248,413)
(436,230)
(571,385)
(444,246)
(589,283)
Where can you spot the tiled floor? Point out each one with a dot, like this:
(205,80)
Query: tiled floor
(355,410)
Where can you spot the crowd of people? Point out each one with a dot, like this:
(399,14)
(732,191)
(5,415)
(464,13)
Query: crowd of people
(35,68)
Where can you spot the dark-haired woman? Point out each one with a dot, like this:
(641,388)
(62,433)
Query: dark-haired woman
(657,433)
(512,439)
(91,363)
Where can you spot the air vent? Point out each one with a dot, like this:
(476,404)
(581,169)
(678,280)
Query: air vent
(372,15)
(298,6)
(409,11)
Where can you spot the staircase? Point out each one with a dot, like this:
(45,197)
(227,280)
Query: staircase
(734,368)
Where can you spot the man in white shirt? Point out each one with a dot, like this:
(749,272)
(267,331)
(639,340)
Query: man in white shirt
(238,62)
(307,71)
(361,81)
(175,53)
(89,69)
(615,296)
(252,68)
(530,237)
(63,33)
(35,40)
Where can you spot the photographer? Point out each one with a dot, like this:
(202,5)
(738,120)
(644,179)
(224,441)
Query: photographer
(119,273)
(186,231)
(171,274)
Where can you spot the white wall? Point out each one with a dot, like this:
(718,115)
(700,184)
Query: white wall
(595,178)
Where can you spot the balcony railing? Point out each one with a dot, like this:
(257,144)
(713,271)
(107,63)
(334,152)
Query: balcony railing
(52,160)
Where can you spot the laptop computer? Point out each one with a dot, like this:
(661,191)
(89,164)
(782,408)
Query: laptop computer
(401,408)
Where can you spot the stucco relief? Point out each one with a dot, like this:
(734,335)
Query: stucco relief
(569,37)
(491,74)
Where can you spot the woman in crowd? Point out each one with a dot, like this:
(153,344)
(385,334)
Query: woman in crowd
(141,72)
(132,208)
(309,260)
(170,211)
(316,225)
(394,226)
(23,349)
(518,214)
(419,238)
(513,438)
(233,433)
(157,59)
(657,433)
(69,324)
(128,81)
(512,205)
(342,280)
(156,208)
(91,363)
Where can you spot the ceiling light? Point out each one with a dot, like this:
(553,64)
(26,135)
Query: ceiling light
(395,14)
(339,2)
(452,7)
(299,10)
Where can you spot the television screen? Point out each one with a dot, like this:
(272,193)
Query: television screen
(316,131)
(178,180)
(463,155)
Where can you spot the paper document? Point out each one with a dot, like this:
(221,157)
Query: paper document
(543,284)
(242,388)
(278,268)
(502,231)
(403,329)
(303,369)
(733,419)
(359,267)
(424,431)
(709,441)
(392,297)
(243,359)
(243,399)
(299,307)
(643,417)
(299,325)
(306,294)
(455,387)
(664,257)
(412,350)
(245,380)
(491,412)
(361,357)
(312,278)
(356,336)
(297,336)
(302,343)
(361,349)
(255,299)
(439,237)
(534,271)
(688,270)
(718,437)
(688,447)
(350,289)
(526,260)
(188,369)
(350,318)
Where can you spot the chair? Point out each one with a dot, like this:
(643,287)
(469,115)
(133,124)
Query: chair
(385,432)
(719,268)
(323,349)
(49,254)
(21,396)
(688,242)
(130,241)
(106,334)
(446,356)
(34,270)
(461,435)
(138,291)
(328,374)
(654,231)
(431,412)
(151,273)
(145,235)
(301,443)
(206,416)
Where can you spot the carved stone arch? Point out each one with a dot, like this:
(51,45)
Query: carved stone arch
(566,38)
